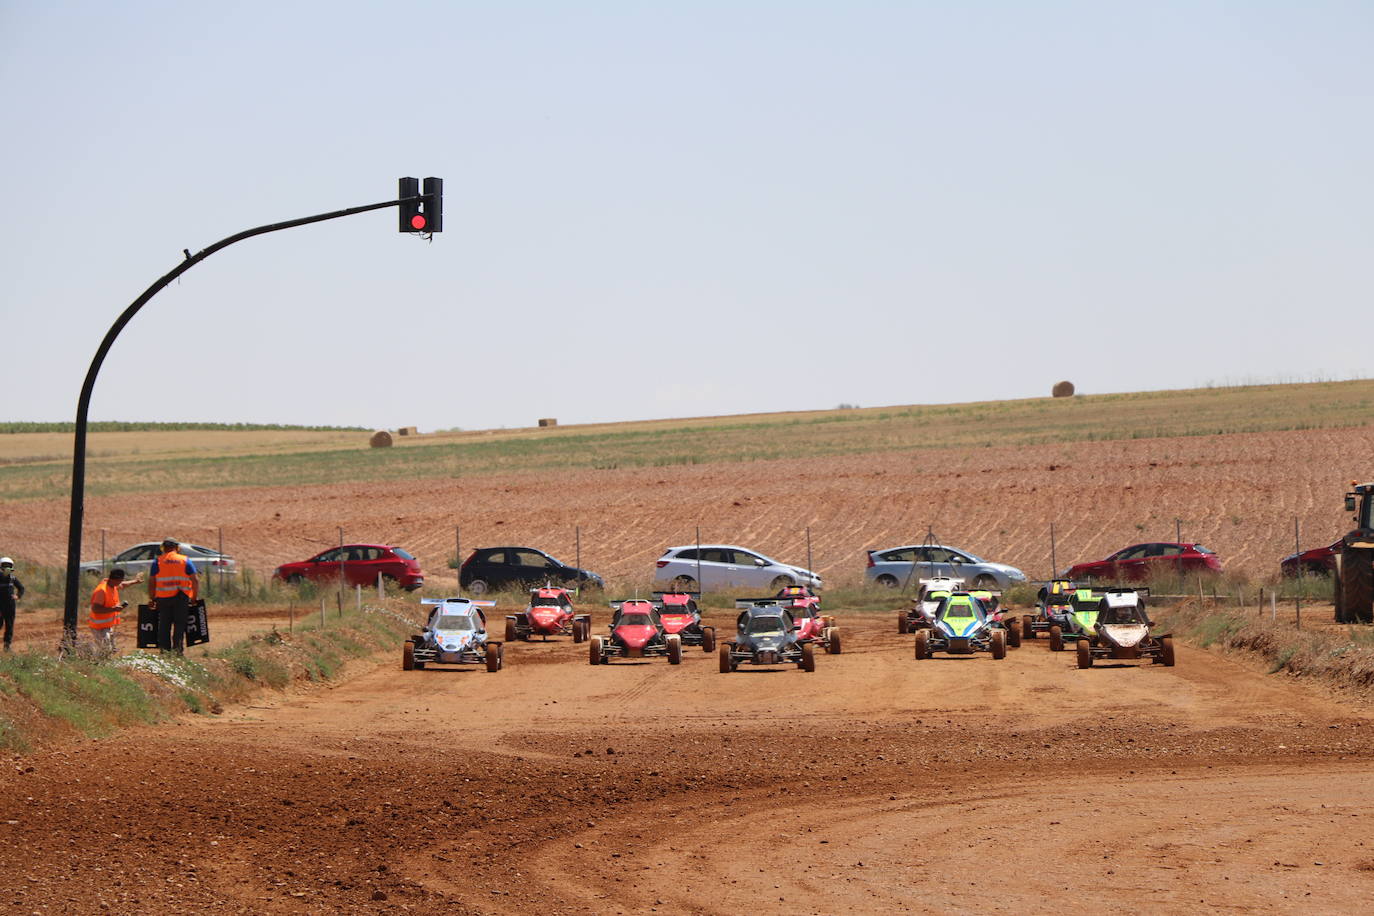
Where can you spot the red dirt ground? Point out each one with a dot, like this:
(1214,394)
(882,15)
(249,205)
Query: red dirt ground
(1238,494)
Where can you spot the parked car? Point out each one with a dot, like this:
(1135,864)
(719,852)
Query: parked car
(360,564)
(891,568)
(140,557)
(1141,561)
(489,568)
(722,566)
(1319,561)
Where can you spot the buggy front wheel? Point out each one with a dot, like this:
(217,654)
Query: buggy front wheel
(510,630)
(493,658)
(999,644)
(1085,654)
(674,650)
(1027,631)
(408,656)
(922,644)
(832,645)
(725,666)
(1166,654)
(808,660)
(1056,639)
(708,639)
(902,625)
(594,651)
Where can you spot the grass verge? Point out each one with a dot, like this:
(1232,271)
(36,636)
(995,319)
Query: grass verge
(43,699)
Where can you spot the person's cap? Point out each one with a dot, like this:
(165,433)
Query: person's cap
(6,561)
(116,573)
(170,542)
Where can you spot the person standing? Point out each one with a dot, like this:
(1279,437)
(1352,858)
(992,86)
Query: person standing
(172,586)
(11,590)
(105,607)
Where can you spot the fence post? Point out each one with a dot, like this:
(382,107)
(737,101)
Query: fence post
(1297,595)
(359,590)
(291,618)
(321,610)
(1273,605)
(381,589)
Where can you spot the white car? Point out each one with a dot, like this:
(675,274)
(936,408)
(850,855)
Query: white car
(140,557)
(893,568)
(713,567)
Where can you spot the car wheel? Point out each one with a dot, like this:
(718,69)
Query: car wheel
(725,666)
(887,581)
(594,651)
(477,587)
(1085,655)
(922,644)
(683,584)
(408,656)
(1056,639)
(295,579)
(781,582)
(674,650)
(985,582)
(808,662)
(708,639)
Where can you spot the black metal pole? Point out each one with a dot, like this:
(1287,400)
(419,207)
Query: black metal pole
(83,403)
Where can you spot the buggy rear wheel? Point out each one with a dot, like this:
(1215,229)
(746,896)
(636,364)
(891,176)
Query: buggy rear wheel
(922,644)
(1166,654)
(708,639)
(407,656)
(808,662)
(1027,631)
(833,643)
(1013,637)
(725,666)
(674,649)
(493,658)
(999,644)
(510,630)
(1056,639)
(1085,654)
(902,626)
(594,651)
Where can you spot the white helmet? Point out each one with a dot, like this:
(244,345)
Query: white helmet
(6,561)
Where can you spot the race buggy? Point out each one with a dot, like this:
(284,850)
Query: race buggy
(992,606)
(1079,620)
(766,635)
(805,607)
(636,632)
(1122,630)
(921,614)
(680,616)
(962,626)
(454,634)
(1052,607)
(550,613)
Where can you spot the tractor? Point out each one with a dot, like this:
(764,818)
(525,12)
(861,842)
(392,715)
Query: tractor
(1355,560)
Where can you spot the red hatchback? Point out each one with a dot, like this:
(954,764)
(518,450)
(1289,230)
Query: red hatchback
(1142,561)
(359,564)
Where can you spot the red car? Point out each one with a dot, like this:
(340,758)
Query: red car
(360,564)
(1319,561)
(1142,561)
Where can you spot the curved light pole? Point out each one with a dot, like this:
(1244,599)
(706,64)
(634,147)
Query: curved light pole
(409,200)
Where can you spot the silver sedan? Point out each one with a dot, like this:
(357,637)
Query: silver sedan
(893,567)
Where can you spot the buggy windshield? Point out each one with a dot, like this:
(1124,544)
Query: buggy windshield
(635,619)
(962,609)
(766,626)
(1122,614)
(453,622)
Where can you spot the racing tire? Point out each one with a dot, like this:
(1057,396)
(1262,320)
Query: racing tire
(594,651)
(1357,584)
(684,584)
(999,644)
(808,661)
(832,645)
(1056,639)
(1027,631)
(510,630)
(902,625)
(922,644)
(493,659)
(1014,637)
(725,666)
(887,581)
(674,649)
(781,582)
(477,587)
(408,656)
(1085,654)
(1166,651)
(579,634)
(708,639)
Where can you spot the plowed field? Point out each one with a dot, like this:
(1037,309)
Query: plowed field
(1239,494)
(879,783)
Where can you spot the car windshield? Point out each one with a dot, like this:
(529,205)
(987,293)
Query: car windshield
(453,622)
(766,626)
(635,620)
(1200,549)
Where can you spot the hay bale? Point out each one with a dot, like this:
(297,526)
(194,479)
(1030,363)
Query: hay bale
(548,421)
(408,431)
(1062,390)
(380,439)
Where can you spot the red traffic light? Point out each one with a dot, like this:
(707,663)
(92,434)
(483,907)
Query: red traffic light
(417,222)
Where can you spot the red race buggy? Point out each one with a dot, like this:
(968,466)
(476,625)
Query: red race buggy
(636,632)
(550,613)
(680,616)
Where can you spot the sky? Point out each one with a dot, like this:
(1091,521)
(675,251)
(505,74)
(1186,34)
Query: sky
(678,209)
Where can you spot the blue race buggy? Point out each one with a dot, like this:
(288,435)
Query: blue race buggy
(454,634)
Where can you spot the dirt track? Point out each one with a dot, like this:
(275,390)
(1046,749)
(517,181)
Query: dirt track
(1238,494)
(876,784)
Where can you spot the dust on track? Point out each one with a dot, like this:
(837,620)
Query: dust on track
(876,784)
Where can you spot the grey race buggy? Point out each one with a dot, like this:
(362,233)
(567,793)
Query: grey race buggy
(765,635)
(454,634)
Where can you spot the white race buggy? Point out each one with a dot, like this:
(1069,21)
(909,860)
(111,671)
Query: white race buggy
(454,634)
(1123,630)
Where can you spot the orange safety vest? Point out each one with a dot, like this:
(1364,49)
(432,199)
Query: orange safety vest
(172,576)
(105,606)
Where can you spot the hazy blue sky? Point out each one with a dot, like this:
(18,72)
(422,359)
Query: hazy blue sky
(670,209)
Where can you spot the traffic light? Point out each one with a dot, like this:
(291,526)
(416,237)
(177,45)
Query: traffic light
(425,212)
